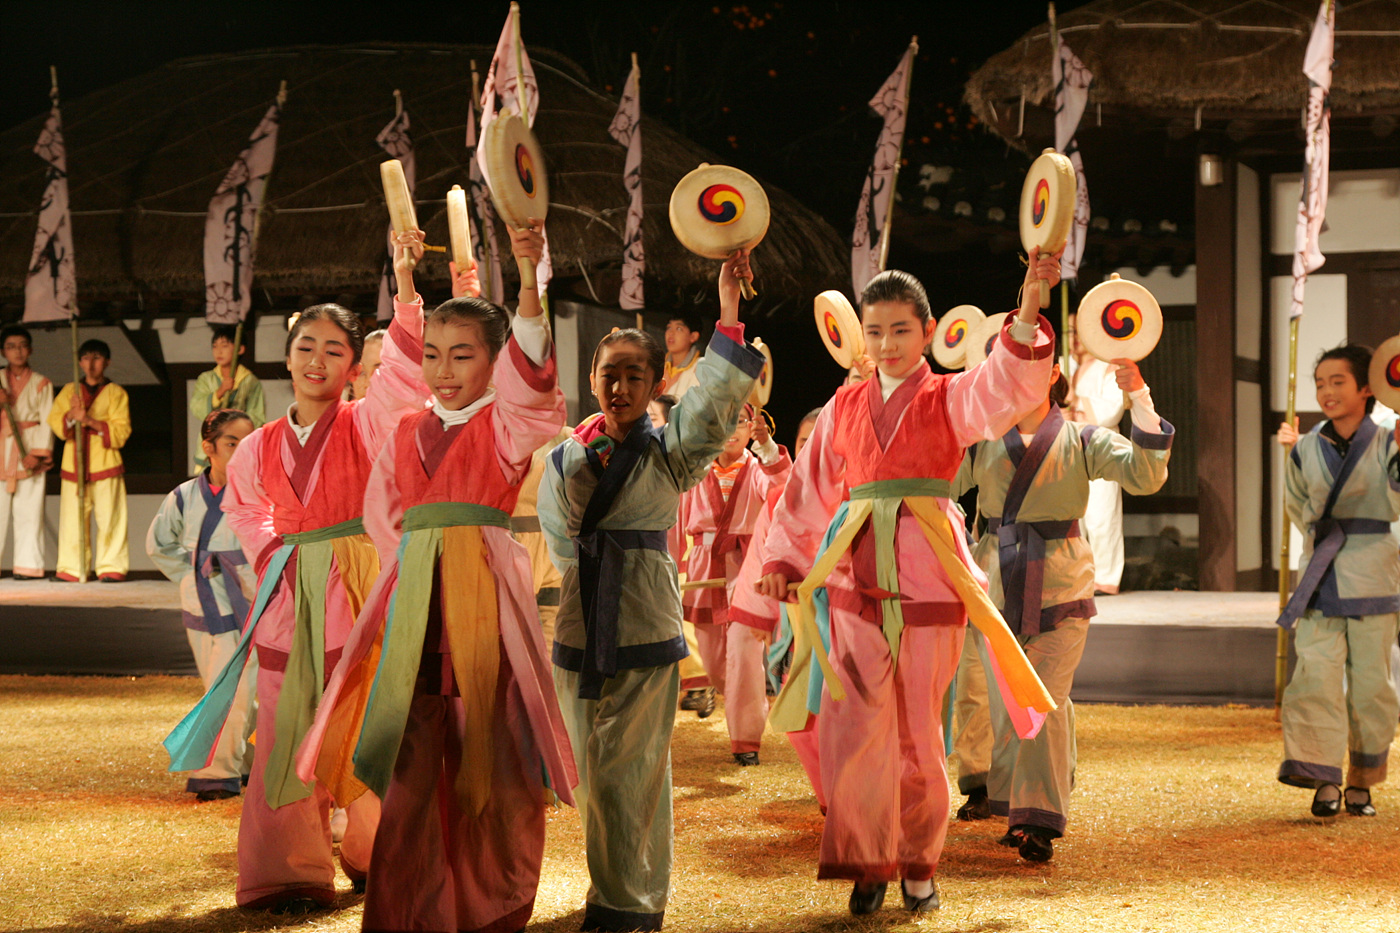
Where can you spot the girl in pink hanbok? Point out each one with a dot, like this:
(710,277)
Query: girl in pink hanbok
(867,515)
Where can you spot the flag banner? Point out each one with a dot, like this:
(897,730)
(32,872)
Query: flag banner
(395,140)
(51,287)
(1072,82)
(483,225)
(626,128)
(510,73)
(230,227)
(1312,204)
(891,103)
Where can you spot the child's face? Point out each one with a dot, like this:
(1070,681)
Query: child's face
(657,413)
(369,362)
(321,361)
(220,449)
(743,433)
(456,363)
(223,352)
(17,351)
(895,337)
(623,383)
(679,337)
(804,434)
(1337,392)
(93,364)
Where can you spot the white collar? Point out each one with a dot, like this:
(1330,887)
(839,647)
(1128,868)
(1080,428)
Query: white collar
(462,415)
(302,433)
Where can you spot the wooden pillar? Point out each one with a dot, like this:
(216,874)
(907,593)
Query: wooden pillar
(1215,379)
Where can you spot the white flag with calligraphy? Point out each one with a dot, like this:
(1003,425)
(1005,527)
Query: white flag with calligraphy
(877,195)
(626,128)
(483,225)
(231,224)
(1312,205)
(1072,82)
(396,141)
(51,287)
(510,73)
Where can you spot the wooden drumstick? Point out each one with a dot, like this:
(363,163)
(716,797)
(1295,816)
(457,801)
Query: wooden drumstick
(402,216)
(458,229)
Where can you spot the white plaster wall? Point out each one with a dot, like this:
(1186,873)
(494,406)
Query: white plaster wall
(1363,212)
(53,355)
(1249,259)
(1249,467)
(1323,325)
(566,352)
(1168,289)
(1151,525)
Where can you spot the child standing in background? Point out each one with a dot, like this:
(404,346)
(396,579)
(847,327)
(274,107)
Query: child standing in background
(99,409)
(29,397)
(229,384)
(192,544)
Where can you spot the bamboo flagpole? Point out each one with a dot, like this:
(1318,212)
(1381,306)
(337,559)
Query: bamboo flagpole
(1307,258)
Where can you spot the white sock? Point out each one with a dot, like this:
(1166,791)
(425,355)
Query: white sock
(919,889)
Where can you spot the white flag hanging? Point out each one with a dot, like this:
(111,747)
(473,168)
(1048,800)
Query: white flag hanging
(483,225)
(877,196)
(510,75)
(51,287)
(1072,82)
(626,128)
(1312,205)
(395,140)
(229,228)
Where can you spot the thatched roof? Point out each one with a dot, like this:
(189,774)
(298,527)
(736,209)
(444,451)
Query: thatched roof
(1205,58)
(146,155)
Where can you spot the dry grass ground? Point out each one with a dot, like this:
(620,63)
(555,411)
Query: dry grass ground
(1178,825)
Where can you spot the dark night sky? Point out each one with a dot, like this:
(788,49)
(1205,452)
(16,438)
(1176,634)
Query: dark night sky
(777,87)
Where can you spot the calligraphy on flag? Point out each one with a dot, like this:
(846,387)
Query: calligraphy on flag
(626,128)
(483,225)
(1072,82)
(1312,204)
(51,286)
(231,224)
(891,103)
(510,74)
(396,141)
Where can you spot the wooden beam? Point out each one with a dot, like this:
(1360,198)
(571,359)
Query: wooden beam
(1215,379)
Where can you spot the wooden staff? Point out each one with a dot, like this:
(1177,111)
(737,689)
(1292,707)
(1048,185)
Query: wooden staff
(1285,575)
(79,458)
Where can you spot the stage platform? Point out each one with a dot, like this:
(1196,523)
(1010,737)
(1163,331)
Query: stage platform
(1149,647)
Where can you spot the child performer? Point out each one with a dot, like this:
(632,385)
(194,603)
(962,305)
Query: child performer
(295,495)
(1342,485)
(229,384)
(769,616)
(887,449)
(1033,487)
(27,396)
(610,495)
(100,407)
(462,730)
(192,544)
(683,332)
(719,515)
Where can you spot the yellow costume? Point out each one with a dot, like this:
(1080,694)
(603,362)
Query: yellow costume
(106,490)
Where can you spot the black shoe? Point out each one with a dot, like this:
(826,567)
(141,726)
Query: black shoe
(1325,809)
(295,906)
(691,701)
(920,905)
(1036,845)
(1356,804)
(706,703)
(867,898)
(977,807)
(1012,839)
(746,758)
(217,793)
